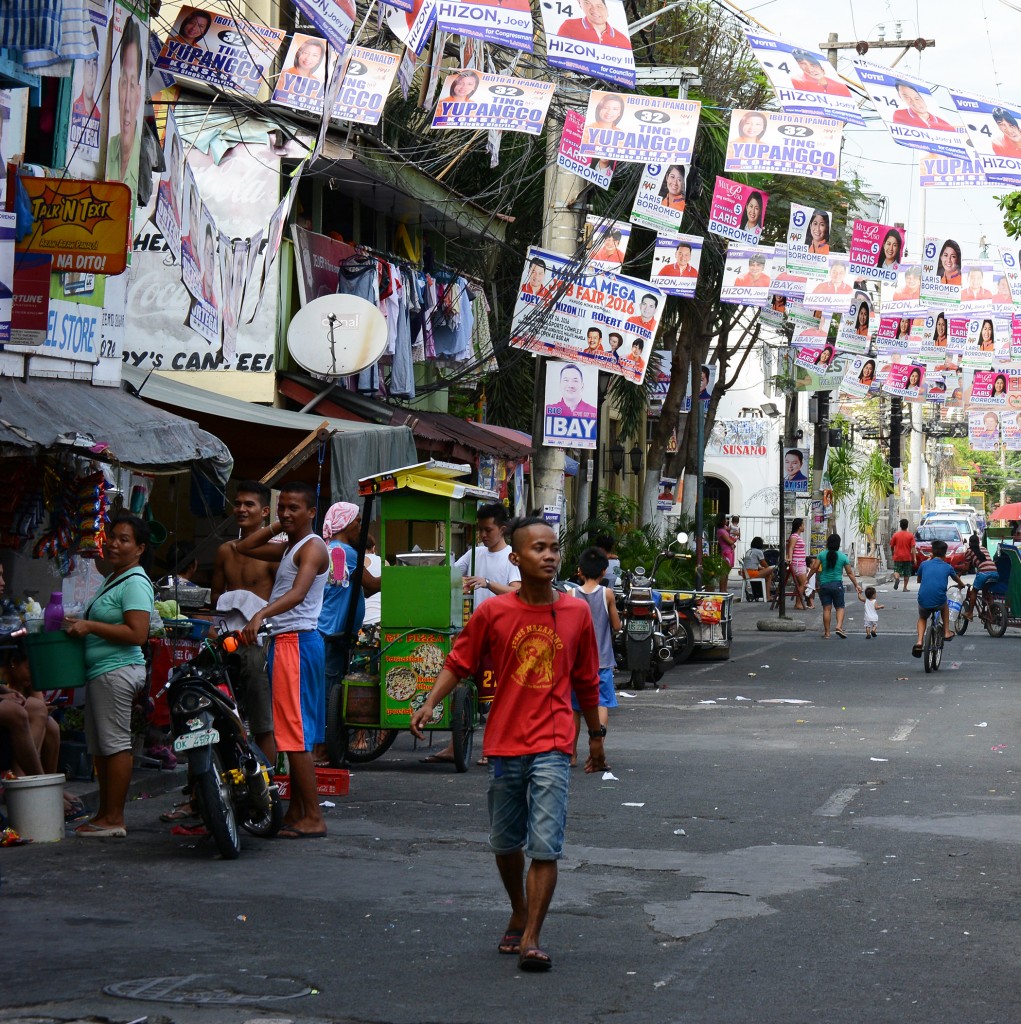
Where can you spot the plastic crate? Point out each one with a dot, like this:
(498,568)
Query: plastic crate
(329,782)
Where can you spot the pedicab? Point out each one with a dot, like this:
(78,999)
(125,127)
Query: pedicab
(423,607)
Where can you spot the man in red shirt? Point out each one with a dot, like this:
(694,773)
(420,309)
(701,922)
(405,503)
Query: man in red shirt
(594,27)
(902,544)
(916,112)
(544,646)
(681,266)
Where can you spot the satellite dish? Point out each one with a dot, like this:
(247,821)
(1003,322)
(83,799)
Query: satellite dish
(337,335)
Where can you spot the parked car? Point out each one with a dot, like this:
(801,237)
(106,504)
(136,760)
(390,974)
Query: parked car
(967,521)
(952,533)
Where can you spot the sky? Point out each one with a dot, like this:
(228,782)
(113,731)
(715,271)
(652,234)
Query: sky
(973,53)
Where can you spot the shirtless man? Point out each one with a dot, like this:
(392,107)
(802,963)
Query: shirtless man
(237,572)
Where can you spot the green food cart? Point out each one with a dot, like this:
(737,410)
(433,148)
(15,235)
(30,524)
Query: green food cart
(422,609)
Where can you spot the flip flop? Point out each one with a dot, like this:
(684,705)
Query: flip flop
(182,812)
(510,944)
(290,832)
(90,831)
(947,639)
(840,633)
(435,759)
(916,651)
(534,959)
(483,760)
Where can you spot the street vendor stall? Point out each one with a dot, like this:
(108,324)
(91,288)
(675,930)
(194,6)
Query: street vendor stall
(422,611)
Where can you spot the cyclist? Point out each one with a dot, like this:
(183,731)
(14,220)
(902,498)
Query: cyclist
(933,576)
(985,570)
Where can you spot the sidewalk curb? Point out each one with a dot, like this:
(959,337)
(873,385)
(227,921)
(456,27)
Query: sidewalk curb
(145,784)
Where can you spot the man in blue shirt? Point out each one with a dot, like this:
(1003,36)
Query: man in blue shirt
(933,577)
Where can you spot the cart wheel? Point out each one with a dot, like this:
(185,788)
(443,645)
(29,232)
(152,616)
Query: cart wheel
(364,745)
(462,727)
(336,738)
(996,623)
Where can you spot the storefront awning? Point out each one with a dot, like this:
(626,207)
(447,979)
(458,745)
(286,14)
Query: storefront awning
(106,424)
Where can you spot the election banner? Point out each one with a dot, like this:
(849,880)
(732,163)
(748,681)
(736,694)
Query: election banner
(876,250)
(738,211)
(789,285)
(1015,337)
(810,334)
(894,336)
(855,330)
(988,341)
(590,36)
(903,295)
(596,172)
(220,51)
(768,142)
(795,471)
(503,22)
(367,83)
(989,388)
(475,99)
(833,293)
(905,380)
(660,373)
(204,315)
(171,187)
(89,108)
(817,358)
(301,83)
(608,241)
(659,203)
(675,264)
(589,317)
(333,18)
(8,222)
(977,289)
(941,272)
(746,279)
(191,227)
(995,131)
(909,110)
(639,129)
(572,398)
(808,241)
(936,387)
(984,431)
(1010,430)
(935,171)
(413,25)
(127,97)
(824,376)
(859,377)
(1002,301)
(1011,262)
(804,80)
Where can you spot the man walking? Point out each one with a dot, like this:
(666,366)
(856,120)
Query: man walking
(544,647)
(297,658)
(902,546)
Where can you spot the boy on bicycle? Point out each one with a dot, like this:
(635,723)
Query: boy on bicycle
(933,577)
(985,572)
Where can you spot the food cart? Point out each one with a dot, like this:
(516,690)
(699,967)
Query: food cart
(423,608)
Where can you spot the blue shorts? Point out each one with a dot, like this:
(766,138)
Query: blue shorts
(832,594)
(984,578)
(607,691)
(528,804)
(297,678)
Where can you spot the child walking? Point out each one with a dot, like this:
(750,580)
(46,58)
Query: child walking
(871,612)
(592,567)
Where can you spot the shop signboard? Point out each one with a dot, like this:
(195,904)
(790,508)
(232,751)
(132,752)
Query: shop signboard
(408,669)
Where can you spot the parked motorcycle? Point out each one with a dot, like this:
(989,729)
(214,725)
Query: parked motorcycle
(229,778)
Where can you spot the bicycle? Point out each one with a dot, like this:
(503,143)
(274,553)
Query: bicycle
(992,613)
(932,642)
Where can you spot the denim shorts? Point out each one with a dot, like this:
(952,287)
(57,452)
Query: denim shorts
(983,578)
(832,594)
(528,804)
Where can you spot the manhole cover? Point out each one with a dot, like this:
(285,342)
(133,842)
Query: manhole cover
(247,990)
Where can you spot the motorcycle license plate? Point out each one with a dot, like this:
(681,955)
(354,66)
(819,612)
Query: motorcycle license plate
(202,738)
(639,629)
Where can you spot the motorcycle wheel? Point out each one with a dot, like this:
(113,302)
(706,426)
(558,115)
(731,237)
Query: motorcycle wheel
(267,824)
(637,679)
(996,623)
(682,652)
(214,805)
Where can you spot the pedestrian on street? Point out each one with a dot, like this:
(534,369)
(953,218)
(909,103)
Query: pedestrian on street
(871,612)
(797,565)
(544,646)
(829,567)
(902,546)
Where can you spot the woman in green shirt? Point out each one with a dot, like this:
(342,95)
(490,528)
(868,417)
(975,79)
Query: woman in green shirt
(115,625)
(830,566)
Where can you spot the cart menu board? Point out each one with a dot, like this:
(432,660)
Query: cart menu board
(408,668)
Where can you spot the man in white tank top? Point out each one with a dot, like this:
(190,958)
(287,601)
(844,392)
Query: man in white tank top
(297,658)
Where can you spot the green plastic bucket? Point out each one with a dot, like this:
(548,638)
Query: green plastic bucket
(56,659)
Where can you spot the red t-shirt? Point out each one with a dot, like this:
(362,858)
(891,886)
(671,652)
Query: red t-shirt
(902,542)
(540,653)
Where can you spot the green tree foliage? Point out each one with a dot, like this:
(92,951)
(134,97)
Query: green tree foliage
(1010,204)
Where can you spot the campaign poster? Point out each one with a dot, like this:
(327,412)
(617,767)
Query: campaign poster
(910,111)
(474,99)
(639,129)
(786,283)
(746,280)
(89,107)
(586,316)
(859,377)
(191,228)
(903,295)
(941,272)
(738,211)
(608,241)
(894,336)
(572,399)
(810,332)
(936,387)
(988,341)
(596,172)
(995,131)
(906,380)
(301,83)
(977,289)
(984,430)
(127,97)
(659,373)
(817,358)
(935,171)
(803,79)
(834,292)
(808,240)
(772,142)
(8,222)
(590,36)
(333,18)
(795,471)
(368,79)
(1010,259)
(855,332)
(876,250)
(675,264)
(204,315)
(659,203)
(989,388)
(170,193)
(13,125)
(233,259)
(823,376)
(213,48)
(501,22)
(1010,430)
